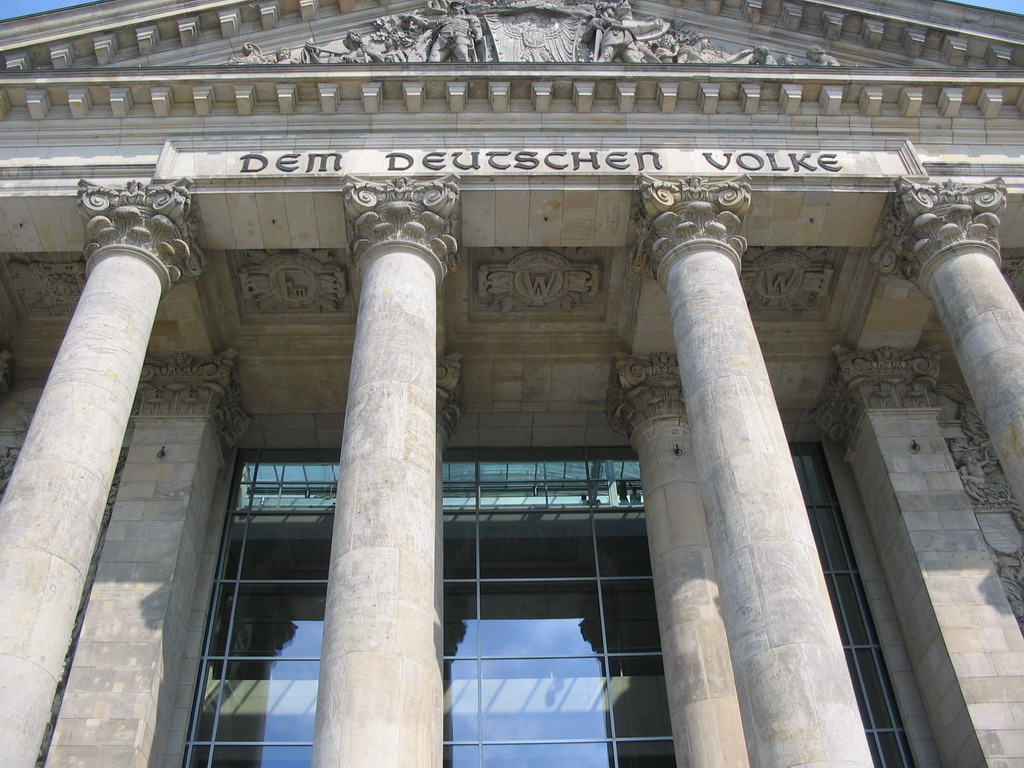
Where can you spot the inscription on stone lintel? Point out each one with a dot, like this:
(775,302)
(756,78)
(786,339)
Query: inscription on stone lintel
(529,160)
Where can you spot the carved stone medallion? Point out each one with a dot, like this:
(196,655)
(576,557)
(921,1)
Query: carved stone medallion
(537,279)
(48,284)
(785,278)
(289,282)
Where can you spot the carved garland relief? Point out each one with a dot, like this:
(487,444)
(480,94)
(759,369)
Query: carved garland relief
(292,282)
(526,31)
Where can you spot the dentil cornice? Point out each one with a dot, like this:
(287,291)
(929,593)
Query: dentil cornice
(156,218)
(184,385)
(401,210)
(882,378)
(674,213)
(643,388)
(927,219)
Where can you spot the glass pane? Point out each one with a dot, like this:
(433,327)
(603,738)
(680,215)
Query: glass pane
(459,483)
(282,620)
(889,746)
(461,694)
(525,545)
(533,484)
(198,757)
(631,621)
(622,543)
(545,619)
(211,686)
(233,545)
(638,696)
(543,699)
(262,757)
(851,619)
(584,755)
(288,547)
(268,701)
(460,625)
(460,546)
(462,757)
(221,620)
(874,693)
(646,754)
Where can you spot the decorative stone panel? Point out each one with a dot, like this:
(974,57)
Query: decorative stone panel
(47,284)
(998,512)
(536,279)
(785,278)
(881,378)
(292,282)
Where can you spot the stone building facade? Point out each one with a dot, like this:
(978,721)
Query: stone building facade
(536,382)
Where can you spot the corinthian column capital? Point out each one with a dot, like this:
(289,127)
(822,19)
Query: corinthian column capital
(881,378)
(449,393)
(156,219)
(675,213)
(184,385)
(926,221)
(642,389)
(400,210)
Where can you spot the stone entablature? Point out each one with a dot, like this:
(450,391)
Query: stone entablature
(102,41)
(185,385)
(593,87)
(881,378)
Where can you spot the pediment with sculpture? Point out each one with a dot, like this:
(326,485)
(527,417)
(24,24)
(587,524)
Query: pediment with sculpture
(561,31)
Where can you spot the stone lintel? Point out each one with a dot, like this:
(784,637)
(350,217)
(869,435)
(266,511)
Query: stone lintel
(155,218)
(672,213)
(880,379)
(184,385)
(403,211)
(644,389)
(925,221)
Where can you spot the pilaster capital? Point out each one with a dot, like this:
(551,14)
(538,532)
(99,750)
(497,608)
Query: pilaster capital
(6,371)
(925,221)
(449,393)
(184,385)
(679,212)
(155,218)
(882,378)
(642,389)
(400,210)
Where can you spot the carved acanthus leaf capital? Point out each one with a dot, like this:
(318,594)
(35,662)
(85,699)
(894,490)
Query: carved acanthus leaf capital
(672,213)
(156,218)
(6,371)
(881,378)
(643,388)
(449,393)
(402,210)
(925,219)
(184,385)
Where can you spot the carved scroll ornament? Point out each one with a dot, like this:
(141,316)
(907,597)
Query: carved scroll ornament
(449,393)
(643,388)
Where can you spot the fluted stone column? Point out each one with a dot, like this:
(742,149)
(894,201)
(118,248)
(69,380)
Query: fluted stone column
(187,412)
(380,682)
(960,633)
(945,237)
(138,244)
(795,695)
(645,403)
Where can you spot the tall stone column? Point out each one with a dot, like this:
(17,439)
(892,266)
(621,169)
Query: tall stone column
(945,237)
(187,412)
(380,681)
(960,634)
(795,695)
(645,402)
(138,245)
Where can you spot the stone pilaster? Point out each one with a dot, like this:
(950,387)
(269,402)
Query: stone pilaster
(380,698)
(964,645)
(795,696)
(138,245)
(945,237)
(134,630)
(645,403)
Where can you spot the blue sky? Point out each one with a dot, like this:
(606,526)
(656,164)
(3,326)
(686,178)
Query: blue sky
(11,8)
